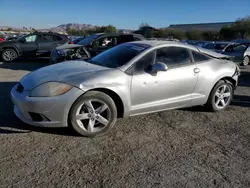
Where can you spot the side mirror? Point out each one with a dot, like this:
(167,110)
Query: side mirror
(22,40)
(159,66)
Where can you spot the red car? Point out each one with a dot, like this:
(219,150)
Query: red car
(2,38)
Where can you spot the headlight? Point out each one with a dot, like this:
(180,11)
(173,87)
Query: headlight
(50,89)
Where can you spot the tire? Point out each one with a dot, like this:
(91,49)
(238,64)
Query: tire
(9,55)
(215,95)
(246,61)
(88,121)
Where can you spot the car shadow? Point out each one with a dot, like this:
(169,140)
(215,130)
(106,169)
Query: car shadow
(29,64)
(241,100)
(244,79)
(10,124)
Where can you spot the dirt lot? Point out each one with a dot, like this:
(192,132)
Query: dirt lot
(179,148)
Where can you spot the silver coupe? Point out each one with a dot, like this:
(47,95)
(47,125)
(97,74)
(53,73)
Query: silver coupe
(130,79)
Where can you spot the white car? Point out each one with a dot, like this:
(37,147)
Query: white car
(246,60)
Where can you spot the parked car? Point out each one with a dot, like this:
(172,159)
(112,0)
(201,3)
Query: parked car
(246,60)
(2,37)
(35,44)
(236,50)
(91,46)
(216,46)
(130,79)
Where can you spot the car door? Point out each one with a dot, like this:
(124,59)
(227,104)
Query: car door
(102,44)
(166,89)
(28,45)
(45,44)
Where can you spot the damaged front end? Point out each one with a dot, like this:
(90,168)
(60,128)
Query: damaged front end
(69,52)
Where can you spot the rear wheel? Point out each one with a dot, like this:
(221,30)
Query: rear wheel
(93,114)
(9,55)
(220,97)
(246,61)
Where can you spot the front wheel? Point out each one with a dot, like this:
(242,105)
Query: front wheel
(246,61)
(94,113)
(9,55)
(220,97)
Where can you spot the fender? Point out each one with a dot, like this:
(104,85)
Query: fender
(12,46)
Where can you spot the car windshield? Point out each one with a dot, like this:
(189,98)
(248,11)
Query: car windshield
(88,39)
(119,55)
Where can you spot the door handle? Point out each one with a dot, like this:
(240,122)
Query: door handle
(196,70)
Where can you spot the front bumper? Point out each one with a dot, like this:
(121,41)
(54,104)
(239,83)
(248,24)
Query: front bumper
(55,109)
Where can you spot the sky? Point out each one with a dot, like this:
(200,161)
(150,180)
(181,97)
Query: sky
(124,14)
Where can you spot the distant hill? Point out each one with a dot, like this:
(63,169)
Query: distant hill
(76,26)
(64,27)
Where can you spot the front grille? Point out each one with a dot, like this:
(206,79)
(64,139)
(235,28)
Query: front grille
(20,88)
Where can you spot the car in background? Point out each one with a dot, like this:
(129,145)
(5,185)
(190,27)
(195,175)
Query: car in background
(130,79)
(216,46)
(91,46)
(31,45)
(236,50)
(246,60)
(2,37)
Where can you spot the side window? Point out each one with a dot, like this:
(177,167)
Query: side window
(31,38)
(106,42)
(125,38)
(47,38)
(198,57)
(58,38)
(137,38)
(144,63)
(209,46)
(173,56)
(239,48)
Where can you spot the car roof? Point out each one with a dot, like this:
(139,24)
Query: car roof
(154,43)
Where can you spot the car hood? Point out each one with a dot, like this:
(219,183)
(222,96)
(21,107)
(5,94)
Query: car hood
(70,72)
(8,42)
(68,46)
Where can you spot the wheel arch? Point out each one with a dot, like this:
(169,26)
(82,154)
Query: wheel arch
(13,48)
(226,79)
(117,99)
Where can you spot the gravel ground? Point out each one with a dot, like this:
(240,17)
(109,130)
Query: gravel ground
(178,148)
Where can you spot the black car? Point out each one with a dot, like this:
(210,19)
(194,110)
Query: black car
(91,46)
(31,45)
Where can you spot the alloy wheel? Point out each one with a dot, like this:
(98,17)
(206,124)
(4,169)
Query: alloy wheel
(222,96)
(93,116)
(246,61)
(9,55)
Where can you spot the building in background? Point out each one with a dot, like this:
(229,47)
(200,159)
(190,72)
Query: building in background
(201,26)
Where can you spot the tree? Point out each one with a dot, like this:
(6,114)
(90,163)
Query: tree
(227,33)
(9,29)
(242,27)
(169,33)
(211,35)
(194,34)
(142,25)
